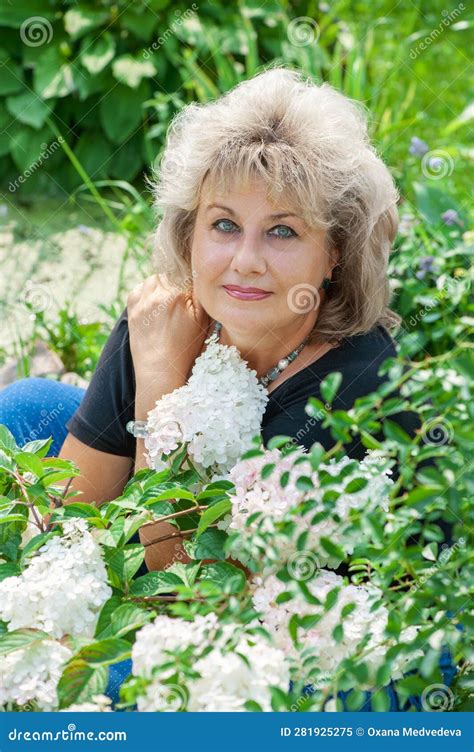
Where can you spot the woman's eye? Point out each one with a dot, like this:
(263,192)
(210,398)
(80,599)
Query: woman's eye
(282,231)
(228,225)
(287,232)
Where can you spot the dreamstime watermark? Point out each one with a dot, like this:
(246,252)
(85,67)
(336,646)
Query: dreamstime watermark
(437,164)
(167,697)
(182,287)
(448,18)
(173,162)
(170,30)
(46,419)
(46,151)
(68,735)
(35,297)
(35,31)
(308,424)
(437,697)
(437,432)
(302,565)
(451,288)
(321,682)
(444,556)
(303,297)
(303,31)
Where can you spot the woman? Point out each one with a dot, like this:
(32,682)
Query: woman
(277,221)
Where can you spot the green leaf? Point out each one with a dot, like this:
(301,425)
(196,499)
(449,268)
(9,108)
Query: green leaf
(267,470)
(4,519)
(120,112)
(395,432)
(125,619)
(338,633)
(225,576)
(332,549)
(329,386)
(53,76)
(316,455)
(78,21)
(105,615)
(433,202)
(380,701)
(40,447)
(356,485)
(11,79)
(35,543)
(96,55)
(105,652)
(9,569)
(7,440)
(75,509)
(80,681)
(154,583)
(14,15)
(95,153)
(186,572)
(29,109)
(27,148)
(30,462)
(304,483)
(276,442)
(210,545)
(213,513)
(355,699)
(129,70)
(6,462)
(20,638)
(126,561)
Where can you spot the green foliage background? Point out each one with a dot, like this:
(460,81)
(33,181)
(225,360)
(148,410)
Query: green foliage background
(108,77)
(104,86)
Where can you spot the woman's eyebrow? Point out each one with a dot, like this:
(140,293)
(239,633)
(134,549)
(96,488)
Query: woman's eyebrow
(270,216)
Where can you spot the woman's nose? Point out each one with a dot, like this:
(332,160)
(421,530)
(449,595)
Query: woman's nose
(249,255)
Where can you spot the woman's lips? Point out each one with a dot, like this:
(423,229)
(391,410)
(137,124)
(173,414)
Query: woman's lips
(242,295)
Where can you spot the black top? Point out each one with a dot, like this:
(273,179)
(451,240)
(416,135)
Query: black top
(108,404)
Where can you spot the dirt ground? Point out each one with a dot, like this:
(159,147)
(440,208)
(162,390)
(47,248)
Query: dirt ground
(53,257)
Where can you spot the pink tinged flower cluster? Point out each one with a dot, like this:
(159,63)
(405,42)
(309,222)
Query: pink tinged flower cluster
(275,503)
(362,620)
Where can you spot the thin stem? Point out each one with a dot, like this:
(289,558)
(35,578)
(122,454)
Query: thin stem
(29,503)
(179,534)
(165,598)
(183,512)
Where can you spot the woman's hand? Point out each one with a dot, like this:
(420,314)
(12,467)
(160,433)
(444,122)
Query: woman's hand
(167,329)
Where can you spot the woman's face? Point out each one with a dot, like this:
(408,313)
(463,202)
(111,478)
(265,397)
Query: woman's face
(240,240)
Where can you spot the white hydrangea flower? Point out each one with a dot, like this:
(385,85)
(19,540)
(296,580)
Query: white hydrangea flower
(361,621)
(62,589)
(266,496)
(217,413)
(225,683)
(32,674)
(98,704)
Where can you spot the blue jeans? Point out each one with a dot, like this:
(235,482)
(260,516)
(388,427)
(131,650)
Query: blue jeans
(36,408)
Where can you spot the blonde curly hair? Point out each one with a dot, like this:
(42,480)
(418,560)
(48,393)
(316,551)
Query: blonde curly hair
(310,145)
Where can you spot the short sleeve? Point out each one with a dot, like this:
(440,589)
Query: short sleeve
(109,401)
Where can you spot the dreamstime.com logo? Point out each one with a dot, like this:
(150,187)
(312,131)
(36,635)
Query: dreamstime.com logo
(70,735)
